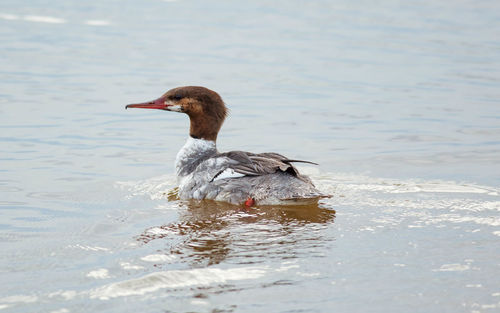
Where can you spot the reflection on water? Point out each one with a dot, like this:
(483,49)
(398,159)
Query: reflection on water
(225,257)
(213,231)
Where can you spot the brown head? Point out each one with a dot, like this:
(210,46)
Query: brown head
(205,109)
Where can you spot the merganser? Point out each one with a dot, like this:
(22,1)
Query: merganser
(237,177)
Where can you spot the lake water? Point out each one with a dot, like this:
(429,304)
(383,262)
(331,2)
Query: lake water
(398,101)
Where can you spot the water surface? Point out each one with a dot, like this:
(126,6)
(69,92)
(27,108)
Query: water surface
(397,102)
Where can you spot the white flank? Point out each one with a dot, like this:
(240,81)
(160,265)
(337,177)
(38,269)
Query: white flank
(228,173)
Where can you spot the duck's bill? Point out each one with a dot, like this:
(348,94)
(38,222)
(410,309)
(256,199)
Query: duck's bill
(159,104)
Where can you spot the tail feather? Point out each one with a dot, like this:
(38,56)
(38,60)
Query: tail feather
(299,161)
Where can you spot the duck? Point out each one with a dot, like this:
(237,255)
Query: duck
(237,177)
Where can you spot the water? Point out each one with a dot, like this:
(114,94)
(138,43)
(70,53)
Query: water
(398,102)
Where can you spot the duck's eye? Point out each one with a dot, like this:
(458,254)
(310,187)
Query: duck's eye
(177,97)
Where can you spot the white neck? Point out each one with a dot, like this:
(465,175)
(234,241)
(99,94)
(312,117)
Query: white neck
(192,153)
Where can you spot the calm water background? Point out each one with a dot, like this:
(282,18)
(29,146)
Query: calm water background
(397,100)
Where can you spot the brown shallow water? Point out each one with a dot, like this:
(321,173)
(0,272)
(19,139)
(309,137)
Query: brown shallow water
(397,102)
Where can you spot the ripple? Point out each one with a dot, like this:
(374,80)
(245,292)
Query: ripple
(44,19)
(156,187)
(9,189)
(12,203)
(88,248)
(101,273)
(158,258)
(49,19)
(129,266)
(176,279)
(97,23)
(10,17)
(452,268)
(47,195)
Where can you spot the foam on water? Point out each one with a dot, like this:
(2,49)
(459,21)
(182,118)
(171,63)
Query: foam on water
(175,279)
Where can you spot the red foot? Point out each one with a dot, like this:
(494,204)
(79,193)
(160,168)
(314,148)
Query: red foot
(249,202)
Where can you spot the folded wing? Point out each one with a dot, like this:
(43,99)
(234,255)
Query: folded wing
(242,163)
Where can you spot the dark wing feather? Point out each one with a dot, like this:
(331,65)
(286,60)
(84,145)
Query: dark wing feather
(284,159)
(260,164)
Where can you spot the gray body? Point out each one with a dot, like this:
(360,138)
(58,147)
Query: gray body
(267,178)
